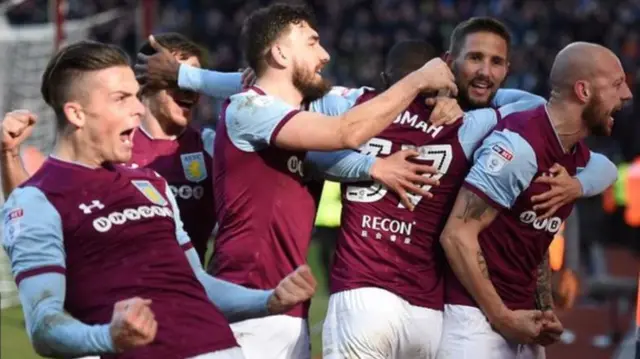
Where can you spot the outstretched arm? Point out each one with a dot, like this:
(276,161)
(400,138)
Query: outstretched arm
(509,96)
(239,303)
(598,175)
(33,241)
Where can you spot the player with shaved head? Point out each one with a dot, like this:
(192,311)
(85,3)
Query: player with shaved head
(494,239)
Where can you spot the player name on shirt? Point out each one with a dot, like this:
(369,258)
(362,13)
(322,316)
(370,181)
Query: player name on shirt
(413,120)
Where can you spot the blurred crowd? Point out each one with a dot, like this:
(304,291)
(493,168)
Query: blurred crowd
(357,33)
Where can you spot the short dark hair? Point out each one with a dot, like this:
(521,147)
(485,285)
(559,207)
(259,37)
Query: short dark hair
(67,66)
(475,25)
(405,57)
(176,42)
(265,25)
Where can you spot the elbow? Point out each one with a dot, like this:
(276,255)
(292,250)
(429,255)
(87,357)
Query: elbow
(450,240)
(353,140)
(40,342)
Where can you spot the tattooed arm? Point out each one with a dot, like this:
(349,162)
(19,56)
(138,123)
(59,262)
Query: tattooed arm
(470,215)
(544,298)
(504,166)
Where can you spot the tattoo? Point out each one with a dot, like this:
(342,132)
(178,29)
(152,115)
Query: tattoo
(474,207)
(544,298)
(482,263)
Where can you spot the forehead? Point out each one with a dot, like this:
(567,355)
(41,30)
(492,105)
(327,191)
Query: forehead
(300,31)
(113,79)
(189,60)
(486,42)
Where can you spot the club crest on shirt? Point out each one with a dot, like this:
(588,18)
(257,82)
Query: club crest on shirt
(498,158)
(149,191)
(195,169)
(12,221)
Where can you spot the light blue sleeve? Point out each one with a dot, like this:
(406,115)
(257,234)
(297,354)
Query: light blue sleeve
(253,120)
(508,96)
(208,136)
(215,84)
(236,302)
(599,174)
(478,124)
(33,241)
(504,166)
(340,166)
(338,101)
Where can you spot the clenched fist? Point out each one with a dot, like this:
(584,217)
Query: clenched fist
(133,324)
(298,287)
(16,127)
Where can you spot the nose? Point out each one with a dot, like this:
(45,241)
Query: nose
(627,95)
(138,110)
(485,68)
(324,56)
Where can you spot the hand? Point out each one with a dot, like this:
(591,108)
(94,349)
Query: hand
(446,110)
(16,127)
(565,287)
(248,77)
(157,71)
(564,190)
(298,287)
(403,177)
(133,324)
(435,75)
(520,326)
(551,329)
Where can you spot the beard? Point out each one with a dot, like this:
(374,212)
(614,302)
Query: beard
(596,118)
(310,88)
(464,100)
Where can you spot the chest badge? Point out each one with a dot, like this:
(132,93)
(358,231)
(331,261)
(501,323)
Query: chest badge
(194,166)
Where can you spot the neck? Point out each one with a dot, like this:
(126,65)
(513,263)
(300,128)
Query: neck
(567,122)
(72,148)
(271,82)
(162,130)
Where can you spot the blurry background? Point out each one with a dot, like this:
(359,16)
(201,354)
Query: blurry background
(603,242)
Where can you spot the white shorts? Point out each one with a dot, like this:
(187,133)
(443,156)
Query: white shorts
(274,337)
(233,353)
(467,334)
(372,323)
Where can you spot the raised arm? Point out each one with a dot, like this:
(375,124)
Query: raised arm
(16,127)
(239,303)
(33,242)
(493,183)
(313,131)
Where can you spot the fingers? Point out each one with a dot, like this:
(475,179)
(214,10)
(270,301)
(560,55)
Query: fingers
(419,180)
(305,272)
(404,198)
(156,46)
(557,169)
(142,58)
(422,169)
(431,101)
(412,152)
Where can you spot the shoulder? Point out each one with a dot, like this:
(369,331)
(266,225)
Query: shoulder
(506,149)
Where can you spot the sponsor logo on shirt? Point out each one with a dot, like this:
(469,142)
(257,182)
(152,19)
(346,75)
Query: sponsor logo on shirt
(498,158)
(12,225)
(118,218)
(551,225)
(187,192)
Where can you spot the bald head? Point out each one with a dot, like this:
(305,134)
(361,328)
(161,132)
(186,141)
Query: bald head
(581,61)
